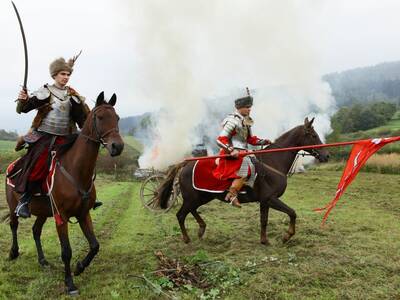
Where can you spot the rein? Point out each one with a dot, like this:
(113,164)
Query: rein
(99,139)
(313,153)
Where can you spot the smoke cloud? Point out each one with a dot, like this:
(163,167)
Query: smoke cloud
(195,57)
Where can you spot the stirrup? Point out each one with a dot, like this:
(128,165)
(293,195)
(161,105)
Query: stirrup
(20,207)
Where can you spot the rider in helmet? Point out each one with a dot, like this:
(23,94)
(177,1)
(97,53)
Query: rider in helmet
(234,138)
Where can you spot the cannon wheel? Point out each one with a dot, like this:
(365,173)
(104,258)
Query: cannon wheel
(148,193)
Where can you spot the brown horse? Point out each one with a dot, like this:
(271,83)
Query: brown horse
(73,188)
(270,183)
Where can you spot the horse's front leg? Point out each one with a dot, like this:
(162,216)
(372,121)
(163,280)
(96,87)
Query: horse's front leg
(87,229)
(66,254)
(277,204)
(264,210)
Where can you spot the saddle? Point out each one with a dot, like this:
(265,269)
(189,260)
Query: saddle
(204,180)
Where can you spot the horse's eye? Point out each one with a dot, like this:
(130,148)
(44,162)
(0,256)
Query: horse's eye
(118,118)
(100,118)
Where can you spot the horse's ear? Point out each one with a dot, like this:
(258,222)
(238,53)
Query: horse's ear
(113,100)
(307,123)
(100,99)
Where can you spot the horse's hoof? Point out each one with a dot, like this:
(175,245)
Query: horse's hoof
(286,237)
(186,240)
(43,262)
(73,292)
(265,242)
(79,268)
(201,232)
(13,255)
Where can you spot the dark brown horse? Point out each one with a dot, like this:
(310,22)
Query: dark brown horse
(73,190)
(270,183)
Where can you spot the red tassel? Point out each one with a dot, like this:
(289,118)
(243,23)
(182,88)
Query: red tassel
(58,219)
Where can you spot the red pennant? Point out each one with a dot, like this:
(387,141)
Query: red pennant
(360,153)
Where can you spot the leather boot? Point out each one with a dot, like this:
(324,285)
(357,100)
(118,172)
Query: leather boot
(232,195)
(22,209)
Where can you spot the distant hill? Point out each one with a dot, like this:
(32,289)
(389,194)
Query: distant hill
(138,126)
(376,83)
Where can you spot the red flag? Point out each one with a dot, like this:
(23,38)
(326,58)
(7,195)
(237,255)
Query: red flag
(359,155)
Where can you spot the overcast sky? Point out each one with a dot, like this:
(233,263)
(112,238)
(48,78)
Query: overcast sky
(343,34)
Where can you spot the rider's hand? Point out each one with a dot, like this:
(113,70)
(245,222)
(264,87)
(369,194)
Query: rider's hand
(266,142)
(23,96)
(235,153)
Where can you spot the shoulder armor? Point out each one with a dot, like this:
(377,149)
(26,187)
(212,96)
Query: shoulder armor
(231,120)
(42,93)
(229,124)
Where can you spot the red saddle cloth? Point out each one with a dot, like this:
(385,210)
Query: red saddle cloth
(8,171)
(204,180)
(47,182)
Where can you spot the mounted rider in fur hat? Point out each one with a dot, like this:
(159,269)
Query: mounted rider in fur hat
(234,138)
(59,108)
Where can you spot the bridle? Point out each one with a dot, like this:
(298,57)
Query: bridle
(99,137)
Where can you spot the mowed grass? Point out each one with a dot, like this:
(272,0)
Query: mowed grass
(7,145)
(355,256)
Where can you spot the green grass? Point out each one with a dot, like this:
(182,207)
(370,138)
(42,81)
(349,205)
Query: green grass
(7,146)
(7,154)
(355,256)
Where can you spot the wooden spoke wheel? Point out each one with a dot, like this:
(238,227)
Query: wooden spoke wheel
(149,193)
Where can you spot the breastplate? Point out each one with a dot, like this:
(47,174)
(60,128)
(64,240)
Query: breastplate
(239,140)
(57,121)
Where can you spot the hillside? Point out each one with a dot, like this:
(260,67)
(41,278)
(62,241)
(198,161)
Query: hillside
(379,82)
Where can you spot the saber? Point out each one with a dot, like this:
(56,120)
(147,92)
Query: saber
(25,47)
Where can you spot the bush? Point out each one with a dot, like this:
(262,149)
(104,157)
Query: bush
(362,117)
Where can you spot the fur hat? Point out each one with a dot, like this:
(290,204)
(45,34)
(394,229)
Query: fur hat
(244,102)
(60,64)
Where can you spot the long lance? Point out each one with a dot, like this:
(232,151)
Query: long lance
(241,154)
(25,46)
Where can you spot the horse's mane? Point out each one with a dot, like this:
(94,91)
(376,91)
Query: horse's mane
(284,137)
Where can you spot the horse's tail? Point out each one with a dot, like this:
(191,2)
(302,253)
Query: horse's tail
(165,189)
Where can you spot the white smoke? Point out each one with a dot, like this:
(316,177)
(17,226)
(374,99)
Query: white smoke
(190,53)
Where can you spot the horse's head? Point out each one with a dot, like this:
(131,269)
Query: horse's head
(310,137)
(104,125)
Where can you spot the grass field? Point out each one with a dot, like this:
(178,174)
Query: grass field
(355,256)
(7,145)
